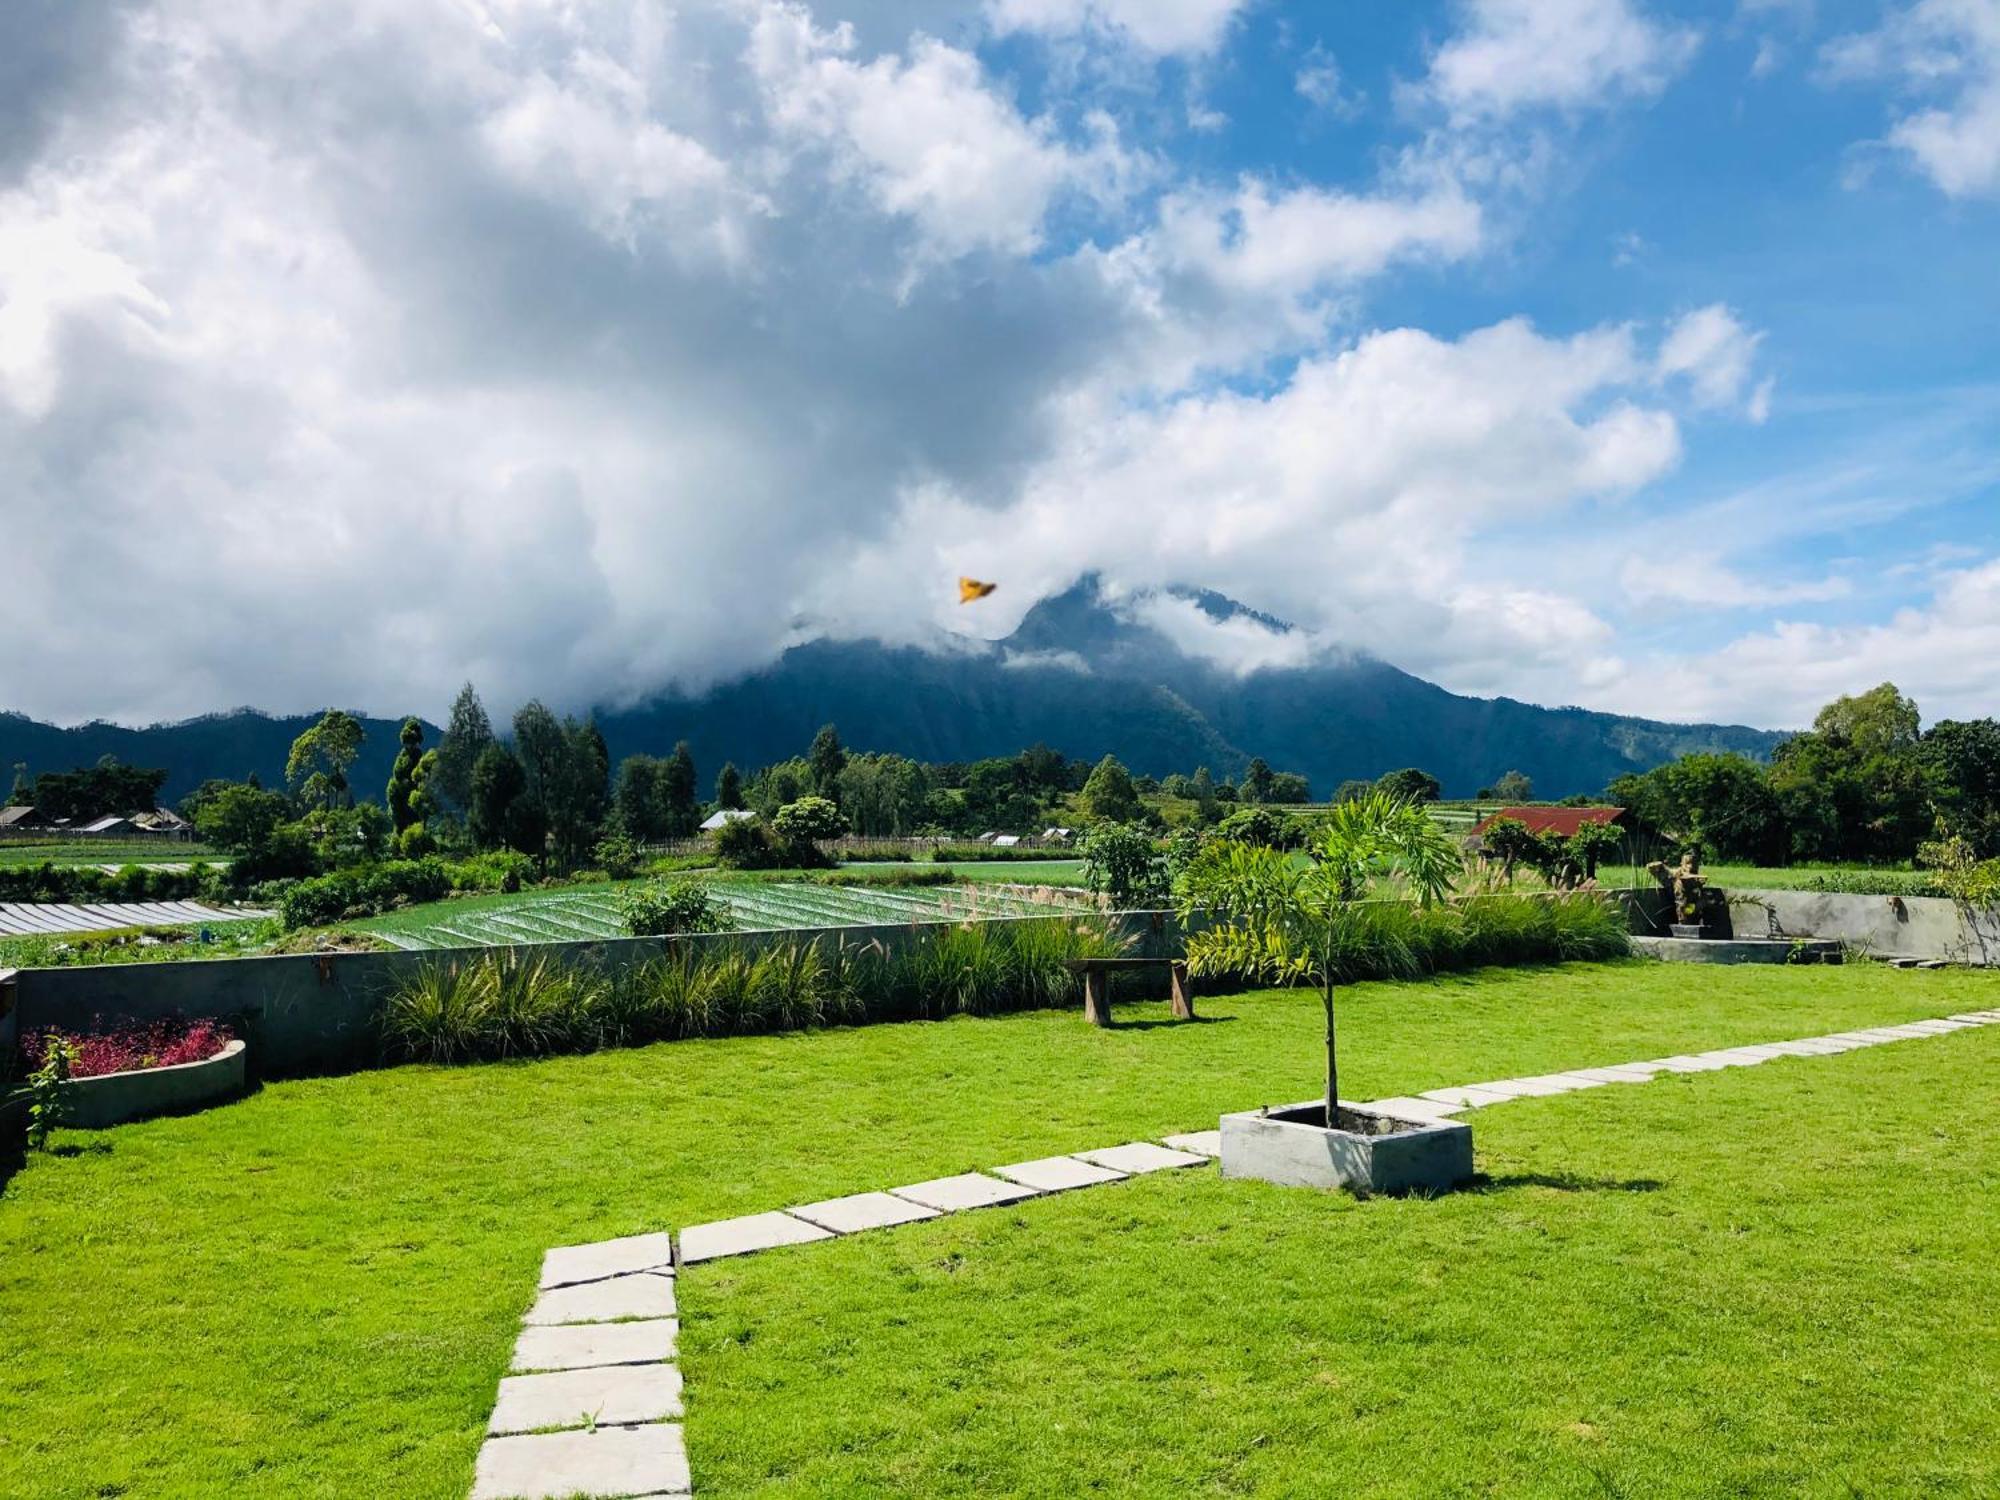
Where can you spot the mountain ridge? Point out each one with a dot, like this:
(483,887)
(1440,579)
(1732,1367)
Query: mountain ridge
(1083,673)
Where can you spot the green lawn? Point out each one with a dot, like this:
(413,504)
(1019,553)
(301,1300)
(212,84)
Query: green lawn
(1768,1281)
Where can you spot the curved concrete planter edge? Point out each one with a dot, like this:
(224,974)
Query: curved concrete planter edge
(113,1098)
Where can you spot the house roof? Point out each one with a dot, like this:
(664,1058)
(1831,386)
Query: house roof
(723,817)
(20,814)
(105,824)
(1563,822)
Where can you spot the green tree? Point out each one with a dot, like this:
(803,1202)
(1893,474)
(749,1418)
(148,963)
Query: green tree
(827,760)
(1289,787)
(1513,787)
(239,819)
(1410,785)
(636,802)
(1202,790)
(466,734)
(1109,796)
(1125,865)
(402,790)
(1267,915)
(802,826)
(1257,781)
(679,800)
(729,786)
(317,767)
(1963,758)
(494,801)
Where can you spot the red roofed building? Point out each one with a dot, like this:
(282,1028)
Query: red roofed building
(1563,822)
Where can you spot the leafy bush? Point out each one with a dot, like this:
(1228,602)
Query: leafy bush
(1401,940)
(492,1006)
(617,856)
(53,882)
(1259,825)
(1125,865)
(504,870)
(364,891)
(892,878)
(48,1091)
(673,906)
(748,844)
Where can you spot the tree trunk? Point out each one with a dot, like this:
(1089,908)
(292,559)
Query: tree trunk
(1332,1069)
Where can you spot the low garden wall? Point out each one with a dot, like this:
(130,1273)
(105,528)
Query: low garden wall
(113,1098)
(317,1012)
(1920,927)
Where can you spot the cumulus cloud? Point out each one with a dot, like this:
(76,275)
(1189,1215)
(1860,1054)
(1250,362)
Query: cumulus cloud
(1703,578)
(1947,51)
(589,350)
(1567,54)
(1945,653)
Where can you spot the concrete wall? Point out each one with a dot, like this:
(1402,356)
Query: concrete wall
(1879,926)
(309,1013)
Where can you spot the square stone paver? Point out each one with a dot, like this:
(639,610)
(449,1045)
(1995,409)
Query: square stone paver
(1403,1107)
(1574,1080)
(951,1195)
(1466,1098)
(1200,1142)
(764,1231)
(646,1294)
(639,1252)
(578,1346)
(1523,1088)
(1691,1064)
(616,1395)
(862,1211)
(1054,1174)
(1142,1156)
(610,1461)
(1614,1075)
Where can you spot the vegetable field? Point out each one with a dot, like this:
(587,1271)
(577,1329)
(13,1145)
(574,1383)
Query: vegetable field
(592,912)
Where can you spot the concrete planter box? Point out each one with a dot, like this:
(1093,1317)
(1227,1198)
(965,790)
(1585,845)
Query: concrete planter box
(1292,1147)
(113,1098)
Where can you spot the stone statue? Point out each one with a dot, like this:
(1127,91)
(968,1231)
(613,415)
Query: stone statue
(1688,886)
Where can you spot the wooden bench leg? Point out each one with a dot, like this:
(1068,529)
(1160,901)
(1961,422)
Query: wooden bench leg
(1181,1001)
(1096,998)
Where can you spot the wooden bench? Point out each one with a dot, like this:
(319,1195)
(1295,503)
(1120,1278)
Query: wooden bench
(1097,973)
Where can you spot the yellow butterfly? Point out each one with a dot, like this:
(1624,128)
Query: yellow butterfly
(970,589)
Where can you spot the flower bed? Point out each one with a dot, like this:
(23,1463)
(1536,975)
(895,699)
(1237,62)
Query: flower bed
(129,1072)
(133,1047)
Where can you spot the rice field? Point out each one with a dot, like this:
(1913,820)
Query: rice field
(585,913)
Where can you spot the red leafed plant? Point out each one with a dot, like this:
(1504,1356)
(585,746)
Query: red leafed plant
(134,1046)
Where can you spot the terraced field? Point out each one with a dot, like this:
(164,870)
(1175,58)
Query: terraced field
(592,911)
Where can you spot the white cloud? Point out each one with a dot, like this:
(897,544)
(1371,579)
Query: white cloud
(1155,26)
(928,135)
(1568,54)
(1716,355)
(1703,578)
(1348,500)
(1238,644)
(1948,50)
(1945,654)
(1318,82)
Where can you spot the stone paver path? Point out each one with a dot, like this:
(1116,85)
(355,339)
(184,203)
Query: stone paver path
(593,1406)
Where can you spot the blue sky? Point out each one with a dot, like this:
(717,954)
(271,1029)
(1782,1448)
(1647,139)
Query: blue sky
(1614,352)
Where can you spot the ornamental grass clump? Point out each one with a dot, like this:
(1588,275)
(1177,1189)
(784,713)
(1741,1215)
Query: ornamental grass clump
(490,1006)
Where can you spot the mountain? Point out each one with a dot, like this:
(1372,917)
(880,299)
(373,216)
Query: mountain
(1082,673)
(1089,676)
(230,745)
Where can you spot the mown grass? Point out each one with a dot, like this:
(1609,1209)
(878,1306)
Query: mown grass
(314,1291)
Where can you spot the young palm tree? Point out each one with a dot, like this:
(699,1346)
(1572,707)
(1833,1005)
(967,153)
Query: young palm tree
(1280,921)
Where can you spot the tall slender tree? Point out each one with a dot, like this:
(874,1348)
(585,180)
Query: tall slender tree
(729,786)
(402,789)
(466,734)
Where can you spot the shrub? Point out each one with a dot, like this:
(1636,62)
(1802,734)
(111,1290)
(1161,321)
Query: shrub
(53,882)
(504,870)
(673,906)
(1125,865)
(749,844)
(364,891)
(617,856)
